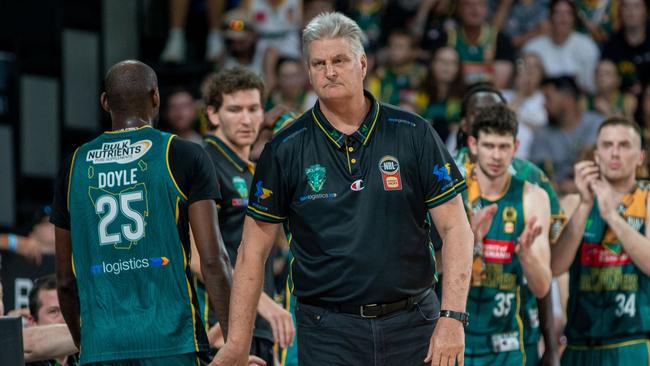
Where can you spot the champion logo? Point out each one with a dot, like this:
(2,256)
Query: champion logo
(357,185)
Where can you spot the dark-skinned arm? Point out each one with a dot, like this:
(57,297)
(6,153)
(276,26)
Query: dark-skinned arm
(547,327)
(215,264)
(66,283)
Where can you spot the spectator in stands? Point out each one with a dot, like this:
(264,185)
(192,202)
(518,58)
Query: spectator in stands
(564,51)
(180,115)
(558,146)
(368,13)
(44,310)
(487,54)
(400,78)
(312,8)
(525,21)
(527,100)
(292,89)
(599,19)
(175,46)
(630,47)
(643,119)
(608,99)
(441,95)
(25,246)
(277,23)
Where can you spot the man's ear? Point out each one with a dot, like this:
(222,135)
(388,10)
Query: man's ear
(213,116)
(155,98)
(103,101)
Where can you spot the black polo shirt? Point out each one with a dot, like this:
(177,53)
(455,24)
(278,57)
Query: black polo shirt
(234,177)
(356,205)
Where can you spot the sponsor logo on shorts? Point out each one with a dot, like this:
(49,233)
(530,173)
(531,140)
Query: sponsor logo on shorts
(120,152)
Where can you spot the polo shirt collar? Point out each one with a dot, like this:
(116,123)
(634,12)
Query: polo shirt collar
(227,152)
(362,134)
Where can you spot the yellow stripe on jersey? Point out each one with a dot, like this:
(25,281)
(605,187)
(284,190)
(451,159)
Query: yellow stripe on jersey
(169,169)
(520,325)
(189,294)
(609,346)
(372,126)
(266,214)
(74,156)
(446,192)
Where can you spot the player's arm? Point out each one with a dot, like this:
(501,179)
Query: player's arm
(215,265)
(195,259)
(66,283)
(533,245)
(47,342)
(547,327)
(636,244)
(451,222)
(564,251)
(257,240)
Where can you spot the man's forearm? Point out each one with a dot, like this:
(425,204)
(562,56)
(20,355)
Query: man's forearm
(69,303)
(538,275)
(246,291)
(456,264)
(47,342)
(564,251)
(547,323)
(217,274)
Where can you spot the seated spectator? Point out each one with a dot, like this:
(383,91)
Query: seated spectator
(400,78)
(175,46)
(440,97)
(598,19)
(630,47)
(557,146)
(486,53)
(608,99)
(44,310)
(180,115)
(368,13)
(643,119)
(527,100)
(526,20)
(565,51)
(292,89)
(277,23)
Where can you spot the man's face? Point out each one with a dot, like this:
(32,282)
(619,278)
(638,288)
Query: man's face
(553,101)
(562,19)
(633,13)
(472,13)
(618,152)
(445,65)
(494,152)
(335,72)
(180,111)
(399,49)
(240,117)
(49,312)
(291,77)
(607,78)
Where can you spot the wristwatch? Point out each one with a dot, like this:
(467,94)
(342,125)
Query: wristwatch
(461,317)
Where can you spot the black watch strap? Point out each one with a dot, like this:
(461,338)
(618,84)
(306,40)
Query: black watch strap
(461,317)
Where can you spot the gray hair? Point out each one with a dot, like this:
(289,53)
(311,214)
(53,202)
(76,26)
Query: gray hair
(332,25)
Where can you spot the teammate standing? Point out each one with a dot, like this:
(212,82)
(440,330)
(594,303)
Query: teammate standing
(513,247)
(606,249)
(234,107)
(121,210)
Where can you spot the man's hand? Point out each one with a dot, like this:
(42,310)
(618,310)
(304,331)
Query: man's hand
(481,221)
(271,117)
(447,344)
(215,336)
(585,173)
(607,203)
(229,357)
(527,237)
(280,320)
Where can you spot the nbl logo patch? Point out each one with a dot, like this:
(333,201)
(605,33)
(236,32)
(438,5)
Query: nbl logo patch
(390,176)
(120,152)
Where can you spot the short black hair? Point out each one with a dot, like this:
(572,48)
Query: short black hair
(574,8)
(128,85)
(621,121)
(498,118)
(566,84)
(42,283)
(482,87)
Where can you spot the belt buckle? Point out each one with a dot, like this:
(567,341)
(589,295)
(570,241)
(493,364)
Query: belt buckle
(363,315)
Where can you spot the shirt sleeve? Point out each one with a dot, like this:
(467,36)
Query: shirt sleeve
(269,198)
(439,174)
(60,215)
(193,171)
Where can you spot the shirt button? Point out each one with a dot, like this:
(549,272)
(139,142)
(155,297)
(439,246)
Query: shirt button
(350,149)
(353,161)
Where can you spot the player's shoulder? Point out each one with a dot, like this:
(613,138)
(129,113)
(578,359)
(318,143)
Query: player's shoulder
(292,135)
(534,193)
(528,171)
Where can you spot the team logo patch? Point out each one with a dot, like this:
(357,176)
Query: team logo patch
(240,185)
(509,217)
(316,177)
(357,185)
(262,193)
(120,152)
(389,168)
